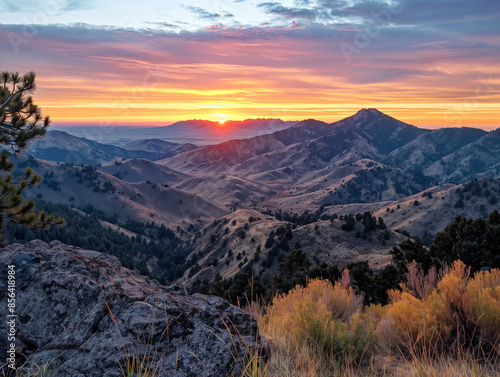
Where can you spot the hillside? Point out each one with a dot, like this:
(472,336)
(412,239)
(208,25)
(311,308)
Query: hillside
(362,182)
(472,161)
(240,241)
(230,191)
(159,146)
(143,201)
(432,146)
(142,170)
(426,213)
(60,146)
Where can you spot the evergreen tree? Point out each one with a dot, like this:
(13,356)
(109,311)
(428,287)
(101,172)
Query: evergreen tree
(473,241)
(218,286)
(408,251)
(238,292)
(388,278)
(292,271)
(20,121)
(325,271)
(361,278)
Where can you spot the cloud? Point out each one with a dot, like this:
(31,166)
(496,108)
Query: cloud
(73,5)
(421,56)
(204,14)
(165,24)
(32,6)
(276,8)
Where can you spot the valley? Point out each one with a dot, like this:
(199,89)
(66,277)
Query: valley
(227,201)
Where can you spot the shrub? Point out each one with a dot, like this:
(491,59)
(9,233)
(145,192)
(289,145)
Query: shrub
(326,318)
(459,312)
(241,233)
(435,322)
(416,324)
(483,298)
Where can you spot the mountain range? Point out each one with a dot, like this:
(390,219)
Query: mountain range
(61,146)
(195,131)
(312,145)
(416,180)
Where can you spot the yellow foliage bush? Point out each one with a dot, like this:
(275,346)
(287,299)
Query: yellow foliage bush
(416,323)
(422,318)
(458,309)
(325,317)
(482,302)
(453,285)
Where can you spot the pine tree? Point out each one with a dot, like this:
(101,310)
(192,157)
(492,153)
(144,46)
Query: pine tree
(20,121)
(292,271)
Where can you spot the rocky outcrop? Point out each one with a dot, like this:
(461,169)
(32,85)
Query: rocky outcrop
(84,314)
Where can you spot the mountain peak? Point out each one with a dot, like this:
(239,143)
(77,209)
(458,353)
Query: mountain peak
(369,112)
(382,130)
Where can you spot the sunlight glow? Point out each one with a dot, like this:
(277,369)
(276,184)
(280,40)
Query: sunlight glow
(222,118)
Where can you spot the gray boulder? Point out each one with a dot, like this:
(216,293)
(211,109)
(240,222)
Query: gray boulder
(84,314)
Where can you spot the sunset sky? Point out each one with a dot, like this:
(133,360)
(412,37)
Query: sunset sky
(148,62)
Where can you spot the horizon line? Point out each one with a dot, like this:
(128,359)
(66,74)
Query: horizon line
(483,126)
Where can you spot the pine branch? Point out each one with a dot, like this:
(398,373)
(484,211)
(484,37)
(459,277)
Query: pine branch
(20,121)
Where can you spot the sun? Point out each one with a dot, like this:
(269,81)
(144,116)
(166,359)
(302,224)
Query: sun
(222,118)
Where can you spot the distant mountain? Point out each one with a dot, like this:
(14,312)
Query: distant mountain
(198,132)
(207,132)
(380,130)
(62,147)
(292,154)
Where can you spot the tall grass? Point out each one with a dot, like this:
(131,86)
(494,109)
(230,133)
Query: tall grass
(29,369)
(140,364)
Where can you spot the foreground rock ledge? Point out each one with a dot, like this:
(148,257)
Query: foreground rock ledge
(63,295)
